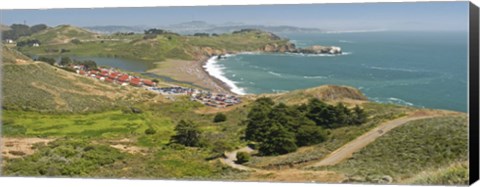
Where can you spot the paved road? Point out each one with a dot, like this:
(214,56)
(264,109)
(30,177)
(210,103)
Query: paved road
(360,142)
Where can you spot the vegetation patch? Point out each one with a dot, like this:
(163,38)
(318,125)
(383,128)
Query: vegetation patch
(409,149)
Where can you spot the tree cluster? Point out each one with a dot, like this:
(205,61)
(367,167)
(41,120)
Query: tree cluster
(201,34)
(124,33)
(67,61)
(27,43)
(48,60)
(152,33)
(18,30)
(280,129)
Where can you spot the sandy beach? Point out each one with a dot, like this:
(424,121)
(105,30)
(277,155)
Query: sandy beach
(190,71)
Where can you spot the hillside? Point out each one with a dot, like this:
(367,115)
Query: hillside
(37,86)
(328,93)
(61,34)
(421,145)
(150,47)
(13,56)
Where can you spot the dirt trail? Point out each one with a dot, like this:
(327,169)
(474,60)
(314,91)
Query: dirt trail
(347,150)
(231,157)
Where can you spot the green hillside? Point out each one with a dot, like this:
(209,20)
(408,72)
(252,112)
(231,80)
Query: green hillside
(145,47)
(408,150)
(61,34)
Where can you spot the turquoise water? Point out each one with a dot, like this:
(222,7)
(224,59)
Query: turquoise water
(423,69)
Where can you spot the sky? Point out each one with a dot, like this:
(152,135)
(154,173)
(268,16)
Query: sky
(420,16)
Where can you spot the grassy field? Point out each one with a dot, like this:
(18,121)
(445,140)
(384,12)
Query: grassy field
(38,87)
(336,138)
(77,157)
(454,174)
(404,152)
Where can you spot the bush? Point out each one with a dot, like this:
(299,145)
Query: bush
(76,41)
(242,157)
(187,133)
(220,117)
(150,131)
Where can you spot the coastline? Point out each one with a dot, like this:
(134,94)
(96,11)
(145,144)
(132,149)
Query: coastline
(190,71)
(217,75)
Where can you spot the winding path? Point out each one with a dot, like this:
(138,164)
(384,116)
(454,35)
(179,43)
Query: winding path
(347,150)
(231,157)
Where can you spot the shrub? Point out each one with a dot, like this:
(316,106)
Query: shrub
(187,133)
(220,117)
(242,157)
(150,131)
(76,41)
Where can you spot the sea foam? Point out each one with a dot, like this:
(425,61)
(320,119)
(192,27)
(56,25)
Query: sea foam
(216,70)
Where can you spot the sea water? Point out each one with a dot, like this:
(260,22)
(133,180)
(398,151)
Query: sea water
(422,69)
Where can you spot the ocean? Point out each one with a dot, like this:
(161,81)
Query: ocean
(421,69)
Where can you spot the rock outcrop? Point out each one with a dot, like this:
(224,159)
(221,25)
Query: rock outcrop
(317,49)
(276,48)
(290,47)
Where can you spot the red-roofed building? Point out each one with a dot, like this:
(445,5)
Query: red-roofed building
(104,74)
(135,82)
(148,82)
(98,76)
(109,80)
(93,72)
(113,75)
(123,78)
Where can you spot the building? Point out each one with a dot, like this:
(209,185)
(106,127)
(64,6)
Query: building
(135,82)
(147,82)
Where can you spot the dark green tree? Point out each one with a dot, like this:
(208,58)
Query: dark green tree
(65,61)
(321,113)
(38,28)
(257,120)
(310,134)
(48,60)
(279,141)
(220,117)
(187,133)
(359,115)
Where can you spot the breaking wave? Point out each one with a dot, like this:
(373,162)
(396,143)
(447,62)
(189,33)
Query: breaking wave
(216,70)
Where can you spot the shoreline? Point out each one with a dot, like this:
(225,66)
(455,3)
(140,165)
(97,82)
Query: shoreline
(226,84)
(191,72)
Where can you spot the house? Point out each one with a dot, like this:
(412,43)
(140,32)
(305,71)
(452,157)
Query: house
(149,82)
(123,78)
(36,45)
(9,41)
(109,80)
(113,75)
(104,74)
(135,82)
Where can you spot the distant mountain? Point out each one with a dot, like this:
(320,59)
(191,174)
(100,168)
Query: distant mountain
(192,27)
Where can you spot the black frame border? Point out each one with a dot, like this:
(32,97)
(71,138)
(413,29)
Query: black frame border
(474,93)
